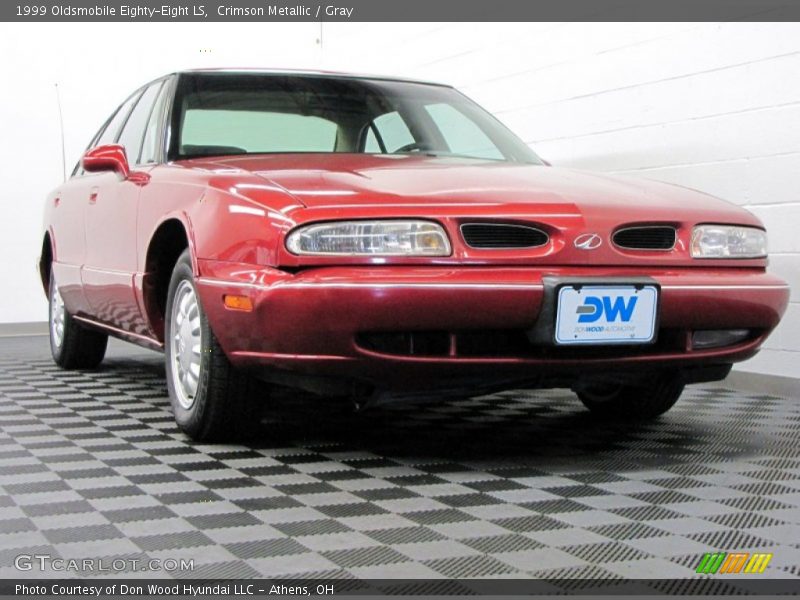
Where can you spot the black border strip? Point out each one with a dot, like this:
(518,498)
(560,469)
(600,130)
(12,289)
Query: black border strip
(242,588)
(402,10)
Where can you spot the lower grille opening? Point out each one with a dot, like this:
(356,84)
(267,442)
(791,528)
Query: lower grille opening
(407,343)
(492,343)
(505,343)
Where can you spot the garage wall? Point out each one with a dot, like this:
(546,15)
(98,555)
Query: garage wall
(96,66)
(711,106)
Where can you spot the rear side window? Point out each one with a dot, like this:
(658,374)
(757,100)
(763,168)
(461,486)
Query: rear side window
(218,131)
(111,131)
(133,131)
(108,133)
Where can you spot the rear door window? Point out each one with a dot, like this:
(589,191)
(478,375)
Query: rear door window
(133,131)
(111,131)
(108,133)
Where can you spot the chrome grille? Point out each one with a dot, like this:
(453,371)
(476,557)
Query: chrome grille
(502,235)
(646,237)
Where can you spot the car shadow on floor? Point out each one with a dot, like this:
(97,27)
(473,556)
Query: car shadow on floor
(532,429)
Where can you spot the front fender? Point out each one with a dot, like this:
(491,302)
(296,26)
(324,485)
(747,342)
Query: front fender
(234,229)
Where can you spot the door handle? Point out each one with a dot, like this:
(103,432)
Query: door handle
(93,195)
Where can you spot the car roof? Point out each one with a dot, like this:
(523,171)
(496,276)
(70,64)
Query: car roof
(305,72)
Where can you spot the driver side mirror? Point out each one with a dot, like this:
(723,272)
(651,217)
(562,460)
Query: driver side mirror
(109,157)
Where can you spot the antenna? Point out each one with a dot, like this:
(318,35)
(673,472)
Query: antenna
(61,124)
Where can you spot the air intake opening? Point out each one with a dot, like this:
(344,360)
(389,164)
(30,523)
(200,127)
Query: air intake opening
(503,343)
(646,237)
(407,343)
(503,235)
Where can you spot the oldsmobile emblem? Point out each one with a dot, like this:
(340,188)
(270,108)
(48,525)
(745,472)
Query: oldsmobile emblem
(588,241)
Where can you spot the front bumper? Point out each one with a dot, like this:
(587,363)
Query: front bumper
(325,321)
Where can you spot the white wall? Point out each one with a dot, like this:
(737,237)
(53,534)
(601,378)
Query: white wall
(96,66)
(712,106)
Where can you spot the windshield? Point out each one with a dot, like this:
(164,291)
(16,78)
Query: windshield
(233,113)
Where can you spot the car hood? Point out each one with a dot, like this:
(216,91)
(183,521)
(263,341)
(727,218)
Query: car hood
(353,181)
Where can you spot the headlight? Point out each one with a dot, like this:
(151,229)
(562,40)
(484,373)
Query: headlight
(728,241)
(370,238)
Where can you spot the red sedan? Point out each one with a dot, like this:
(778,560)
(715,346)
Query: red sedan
(384,240)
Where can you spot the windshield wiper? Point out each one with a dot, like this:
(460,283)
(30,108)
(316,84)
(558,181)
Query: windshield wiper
(446,154)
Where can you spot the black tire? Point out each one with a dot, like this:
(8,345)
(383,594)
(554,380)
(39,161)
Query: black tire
(643,401)
(225,405)
(72,345)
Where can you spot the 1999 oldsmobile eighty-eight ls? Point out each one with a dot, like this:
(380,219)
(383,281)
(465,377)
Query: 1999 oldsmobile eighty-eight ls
(384,240)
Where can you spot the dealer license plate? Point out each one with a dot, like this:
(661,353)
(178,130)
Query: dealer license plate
(606,314)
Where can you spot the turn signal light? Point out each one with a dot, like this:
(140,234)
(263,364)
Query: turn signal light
(238,302)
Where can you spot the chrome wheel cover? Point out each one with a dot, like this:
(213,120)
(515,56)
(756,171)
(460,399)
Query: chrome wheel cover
(185,338)
(57,315)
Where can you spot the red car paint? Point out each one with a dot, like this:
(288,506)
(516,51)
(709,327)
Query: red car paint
(309,311)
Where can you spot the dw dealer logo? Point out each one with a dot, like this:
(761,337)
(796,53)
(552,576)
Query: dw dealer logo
(594,307)
(719,563)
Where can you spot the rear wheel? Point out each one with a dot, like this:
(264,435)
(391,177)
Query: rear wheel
(72,345)
(210,399)
(642,401)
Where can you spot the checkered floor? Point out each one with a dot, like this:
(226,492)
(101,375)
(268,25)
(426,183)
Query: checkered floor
(516,484)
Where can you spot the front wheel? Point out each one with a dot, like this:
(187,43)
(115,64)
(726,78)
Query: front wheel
(642,401)
(210,400)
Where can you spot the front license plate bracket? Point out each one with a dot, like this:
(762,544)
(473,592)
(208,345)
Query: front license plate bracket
(544,333)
